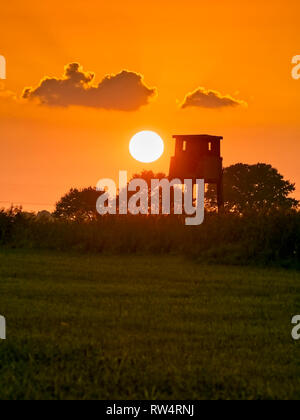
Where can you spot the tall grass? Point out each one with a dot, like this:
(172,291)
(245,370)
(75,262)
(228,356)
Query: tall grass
(226,238)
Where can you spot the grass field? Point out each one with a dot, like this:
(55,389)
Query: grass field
(145,328)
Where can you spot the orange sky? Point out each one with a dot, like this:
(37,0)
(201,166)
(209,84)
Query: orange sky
(243,49)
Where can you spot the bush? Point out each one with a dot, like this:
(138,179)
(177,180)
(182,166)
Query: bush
(224,238)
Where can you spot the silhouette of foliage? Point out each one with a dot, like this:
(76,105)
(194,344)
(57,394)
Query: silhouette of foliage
(257,238)
(78,205)
(256,188)
(148,175)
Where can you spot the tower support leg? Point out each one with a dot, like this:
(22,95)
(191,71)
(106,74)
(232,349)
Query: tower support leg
(220,194)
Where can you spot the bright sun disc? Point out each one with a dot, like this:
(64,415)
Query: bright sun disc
(146,146)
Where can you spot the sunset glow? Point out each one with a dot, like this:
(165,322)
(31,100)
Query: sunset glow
(229,74)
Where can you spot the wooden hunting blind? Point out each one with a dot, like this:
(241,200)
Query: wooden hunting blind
(199,157)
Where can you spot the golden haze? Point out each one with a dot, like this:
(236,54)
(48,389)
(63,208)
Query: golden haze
(242,49)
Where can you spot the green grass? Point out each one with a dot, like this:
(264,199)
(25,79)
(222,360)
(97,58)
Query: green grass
(145,328)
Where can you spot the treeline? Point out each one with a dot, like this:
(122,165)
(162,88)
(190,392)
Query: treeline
(253,238)
(260,224)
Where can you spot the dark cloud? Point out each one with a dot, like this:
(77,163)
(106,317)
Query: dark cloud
(125,91)
(203,98)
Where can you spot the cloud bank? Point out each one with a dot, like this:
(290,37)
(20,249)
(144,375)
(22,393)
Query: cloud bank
(125,91)
(203,98)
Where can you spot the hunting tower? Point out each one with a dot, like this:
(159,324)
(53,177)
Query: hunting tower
(199,157)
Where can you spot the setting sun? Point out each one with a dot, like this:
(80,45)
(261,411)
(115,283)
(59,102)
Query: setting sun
(146,146)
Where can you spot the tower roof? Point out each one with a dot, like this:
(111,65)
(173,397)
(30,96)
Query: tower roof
(203,137)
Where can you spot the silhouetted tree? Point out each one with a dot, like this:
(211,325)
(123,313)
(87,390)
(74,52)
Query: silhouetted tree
(257,187)
(148,176)
(78,205)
